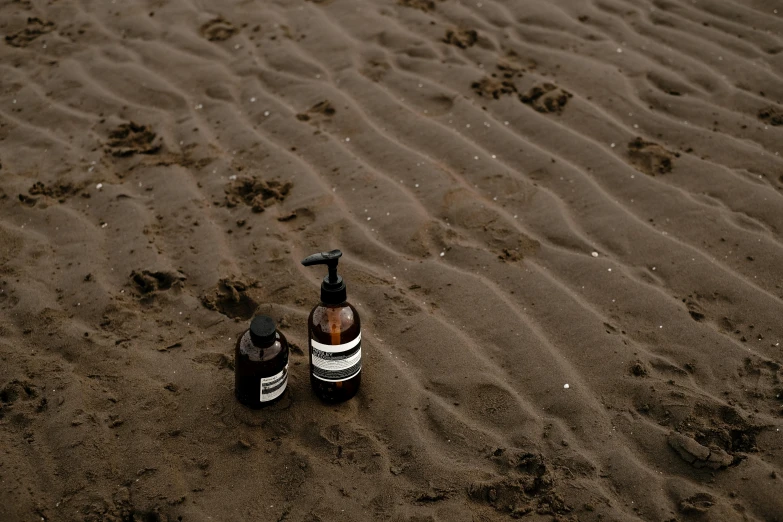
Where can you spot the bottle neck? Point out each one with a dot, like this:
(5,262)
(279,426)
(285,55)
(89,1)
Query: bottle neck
(333,296)
(263,345)
(334,305)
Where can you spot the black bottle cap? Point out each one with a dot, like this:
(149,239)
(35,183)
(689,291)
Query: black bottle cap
(262,330)
(333,286)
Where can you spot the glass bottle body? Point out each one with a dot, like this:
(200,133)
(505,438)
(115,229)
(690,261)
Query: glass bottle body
(335,351)
(260,371)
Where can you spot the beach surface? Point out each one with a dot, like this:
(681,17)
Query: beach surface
(562,225)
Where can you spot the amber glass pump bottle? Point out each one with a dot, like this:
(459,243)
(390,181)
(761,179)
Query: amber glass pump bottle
(335,336)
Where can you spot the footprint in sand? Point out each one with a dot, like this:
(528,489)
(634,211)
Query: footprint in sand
(218,30)
(638,369)
(546,97)
(510,67)
(424,5)
(149,284)
(59,192)
(698,455)
(320,111)
(35,28)
(231,298)
(24,391)
(345,445)
(220,360)
(771,115)
(493,88)
(526,484)
(132,138)
(462,38)
(298,218)
(375,70)
(697,504)
(694,310)
(256,193)
(761,381)
(649,157)
(8,297)
(16,390)
(723,430)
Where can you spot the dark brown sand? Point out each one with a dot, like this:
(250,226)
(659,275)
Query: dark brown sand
(562,224)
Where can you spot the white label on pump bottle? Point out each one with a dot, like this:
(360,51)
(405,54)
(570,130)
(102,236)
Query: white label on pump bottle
(336,362)
(274,386)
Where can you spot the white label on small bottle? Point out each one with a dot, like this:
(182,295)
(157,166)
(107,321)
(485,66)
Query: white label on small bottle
(274,386)
(336,362)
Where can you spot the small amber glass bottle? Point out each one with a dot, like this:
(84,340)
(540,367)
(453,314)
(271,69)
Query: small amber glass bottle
(260,364)
(335,336)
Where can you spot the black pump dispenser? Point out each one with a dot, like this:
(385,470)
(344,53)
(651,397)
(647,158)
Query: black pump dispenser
(333,286)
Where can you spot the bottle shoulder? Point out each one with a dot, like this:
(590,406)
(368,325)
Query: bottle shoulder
(328,322)
(245,347)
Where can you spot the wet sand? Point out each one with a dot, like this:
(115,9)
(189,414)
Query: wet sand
(562,224)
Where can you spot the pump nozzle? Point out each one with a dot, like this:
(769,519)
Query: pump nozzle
(332,287)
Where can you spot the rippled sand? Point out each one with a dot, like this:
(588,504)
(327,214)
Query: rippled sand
(562,224)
